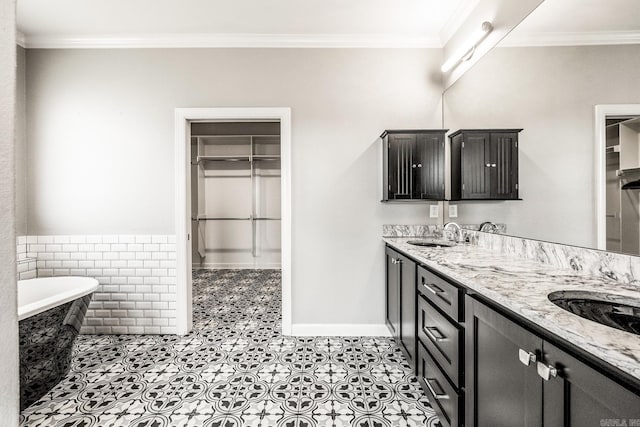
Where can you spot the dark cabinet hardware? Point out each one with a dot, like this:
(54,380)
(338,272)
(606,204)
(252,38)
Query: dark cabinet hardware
(413,165)
(484,164)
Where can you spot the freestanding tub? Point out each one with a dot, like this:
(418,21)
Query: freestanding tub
(50,313)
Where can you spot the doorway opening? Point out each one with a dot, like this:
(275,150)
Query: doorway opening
(233,197)
(618,178)
(235,194)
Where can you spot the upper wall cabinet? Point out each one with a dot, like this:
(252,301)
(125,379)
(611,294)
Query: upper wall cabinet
(484,164)
(413,165)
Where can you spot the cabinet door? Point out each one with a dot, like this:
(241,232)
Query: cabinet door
(392,314)
(504,165)
(476,165)
(400,163)
(429,170)
(502,390)
(579,396)
(408,309)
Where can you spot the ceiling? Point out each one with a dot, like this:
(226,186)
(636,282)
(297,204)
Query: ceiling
(421,21)
(307,23)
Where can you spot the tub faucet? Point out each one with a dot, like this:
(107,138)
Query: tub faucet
(457,231)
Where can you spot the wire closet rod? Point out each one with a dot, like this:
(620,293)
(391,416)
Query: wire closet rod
(212,218)
(235,136)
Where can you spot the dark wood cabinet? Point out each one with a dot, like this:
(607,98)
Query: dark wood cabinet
(441,345)
(502,391)
(484,164)
(401,302)
(516,378)
(392,313)
(413,165)
(576,395)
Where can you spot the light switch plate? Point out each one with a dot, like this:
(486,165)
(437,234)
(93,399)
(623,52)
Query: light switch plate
(433,211)
(453,211)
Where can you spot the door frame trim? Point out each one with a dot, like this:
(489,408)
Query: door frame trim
(183,116)
(601,112)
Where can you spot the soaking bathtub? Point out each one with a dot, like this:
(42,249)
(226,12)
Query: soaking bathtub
(50,313)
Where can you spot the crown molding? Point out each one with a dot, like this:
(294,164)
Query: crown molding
(112,41)
(539,39)
(20,39)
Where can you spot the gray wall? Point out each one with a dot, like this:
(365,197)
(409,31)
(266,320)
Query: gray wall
(9,394)
(101,149)
(21,143)
(551,93)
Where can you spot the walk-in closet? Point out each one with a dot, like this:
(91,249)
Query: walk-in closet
(235,194)
(623,184)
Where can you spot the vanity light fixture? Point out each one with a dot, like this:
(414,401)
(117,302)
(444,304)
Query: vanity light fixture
(468,48)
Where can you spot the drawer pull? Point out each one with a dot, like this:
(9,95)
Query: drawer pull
(431,287)
(526,357)
(441,395)
(433,333)
(546,372)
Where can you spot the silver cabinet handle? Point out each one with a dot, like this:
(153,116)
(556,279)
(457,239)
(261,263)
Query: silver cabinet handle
(493,165)
(442,395)
(419,165)
(433,288)
(546,372)
(487,165)
(526,357)
(413,166)
(396,261)
(433,333)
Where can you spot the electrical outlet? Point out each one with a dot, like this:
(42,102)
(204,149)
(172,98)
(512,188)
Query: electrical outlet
(433,211)
(453,211)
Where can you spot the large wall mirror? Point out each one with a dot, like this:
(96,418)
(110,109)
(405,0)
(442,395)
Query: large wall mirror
(547,77)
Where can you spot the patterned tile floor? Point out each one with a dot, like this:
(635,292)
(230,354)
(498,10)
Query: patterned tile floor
(234,369)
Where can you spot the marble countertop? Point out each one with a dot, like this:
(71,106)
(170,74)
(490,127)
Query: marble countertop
(522,286)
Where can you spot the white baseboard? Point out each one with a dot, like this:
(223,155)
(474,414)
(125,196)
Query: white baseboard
(339,330)
(243,266)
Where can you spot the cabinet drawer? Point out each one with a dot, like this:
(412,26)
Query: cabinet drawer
(442,338)
(444,295)
(442,396)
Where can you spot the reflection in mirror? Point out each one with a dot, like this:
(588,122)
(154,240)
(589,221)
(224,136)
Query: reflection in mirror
(547,77)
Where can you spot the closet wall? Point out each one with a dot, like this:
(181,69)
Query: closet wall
(235,194)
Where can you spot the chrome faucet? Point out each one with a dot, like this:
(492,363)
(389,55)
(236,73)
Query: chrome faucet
(489,227)
(457,231)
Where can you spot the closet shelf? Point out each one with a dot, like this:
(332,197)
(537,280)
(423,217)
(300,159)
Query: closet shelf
(223,158)
(254,158)
(227,218)
(612,149)
(236,136)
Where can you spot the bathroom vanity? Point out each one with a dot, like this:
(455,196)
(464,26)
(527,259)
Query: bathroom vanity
(490,349)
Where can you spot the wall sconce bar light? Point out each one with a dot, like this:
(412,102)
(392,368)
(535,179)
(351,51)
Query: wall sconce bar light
(468,49)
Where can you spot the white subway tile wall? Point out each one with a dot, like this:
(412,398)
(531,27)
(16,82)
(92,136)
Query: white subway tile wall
(137,275)
(26,265)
